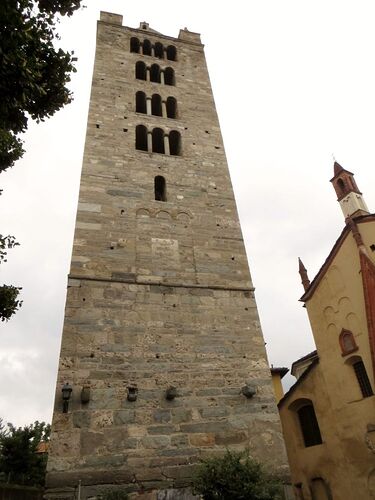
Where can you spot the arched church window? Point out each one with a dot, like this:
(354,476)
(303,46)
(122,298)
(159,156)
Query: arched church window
(171,105)
(160,188)
(347,342)
(159,50)
(140,102)
(140,71)
(158,141)
(134,45)
(155,73)
(146,47)
(174,143)
(141,137)
(156,108)
(169,78)
(308,422)
(171,53)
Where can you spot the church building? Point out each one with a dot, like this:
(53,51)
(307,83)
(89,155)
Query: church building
(328,415)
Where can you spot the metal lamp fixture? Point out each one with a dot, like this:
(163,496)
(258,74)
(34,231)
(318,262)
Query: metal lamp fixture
(66,393)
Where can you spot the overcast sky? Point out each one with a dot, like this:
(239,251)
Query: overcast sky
(294,84)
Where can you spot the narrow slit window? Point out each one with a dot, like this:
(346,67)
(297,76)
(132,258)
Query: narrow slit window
(171,107)
(174,143)
(156,105)
(171,53)
(158,141)
(140,102)
(134,45)
(155,73)
(169,78)
(160,188)
(140,71)
(141,138)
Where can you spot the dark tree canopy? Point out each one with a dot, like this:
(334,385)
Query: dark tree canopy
(33,84)
(20,460)
(33,73)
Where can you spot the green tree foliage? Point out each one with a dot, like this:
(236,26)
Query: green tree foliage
(235,476)
(9,302)
(33,78)
(33,73)
(19,461)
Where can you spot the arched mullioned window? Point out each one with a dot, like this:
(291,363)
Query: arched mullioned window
(347,342)
(146,46)
(174,143)
(158,141)
(171,106)
(159,50)
(157,138)
(156,107)
(140,71)
(308,422)
(141,137)
(134,45)
(171,53)
(169,78)
(361,375)
(155,73)
(160,188)
(140,102)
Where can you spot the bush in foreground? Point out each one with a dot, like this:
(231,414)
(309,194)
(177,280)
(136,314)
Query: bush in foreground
(235,476)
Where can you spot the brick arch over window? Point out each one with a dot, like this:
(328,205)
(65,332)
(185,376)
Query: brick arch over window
(304,409)
(347,342)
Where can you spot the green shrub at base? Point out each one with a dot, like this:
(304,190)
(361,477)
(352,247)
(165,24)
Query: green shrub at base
(235,476)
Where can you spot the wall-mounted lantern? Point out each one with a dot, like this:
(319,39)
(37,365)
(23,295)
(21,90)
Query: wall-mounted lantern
(66,393)
(171,393)
(132,393)
(85,394)
(248,390)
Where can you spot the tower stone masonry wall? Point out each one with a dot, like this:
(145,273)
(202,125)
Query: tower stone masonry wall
(159,293)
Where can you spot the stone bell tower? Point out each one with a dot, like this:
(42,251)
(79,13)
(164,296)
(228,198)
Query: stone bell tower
(162,347)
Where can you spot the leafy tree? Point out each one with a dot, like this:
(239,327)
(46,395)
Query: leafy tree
(9,302)
(19,461)
(235,476)
(33,73)
(33,79)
